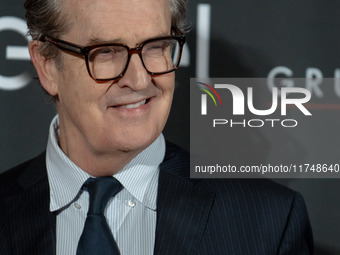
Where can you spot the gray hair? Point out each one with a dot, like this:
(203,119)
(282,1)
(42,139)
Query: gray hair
(48,17)
(178,10)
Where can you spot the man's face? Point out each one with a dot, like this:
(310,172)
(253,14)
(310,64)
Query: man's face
(128,115)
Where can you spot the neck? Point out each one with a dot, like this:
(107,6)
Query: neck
(94,162)
(99,165)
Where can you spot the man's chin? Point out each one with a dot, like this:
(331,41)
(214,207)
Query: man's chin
(134,148)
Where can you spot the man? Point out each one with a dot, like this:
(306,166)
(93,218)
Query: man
(108,65)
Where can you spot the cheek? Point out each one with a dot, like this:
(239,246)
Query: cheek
(166,84)
(75,85)
(74,69)
(167,87)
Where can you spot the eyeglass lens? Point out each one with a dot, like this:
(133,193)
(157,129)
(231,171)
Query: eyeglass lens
(110,61)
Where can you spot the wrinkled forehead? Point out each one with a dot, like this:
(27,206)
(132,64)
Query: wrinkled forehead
(111,19)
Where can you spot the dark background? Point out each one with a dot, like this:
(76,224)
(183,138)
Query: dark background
(246,39)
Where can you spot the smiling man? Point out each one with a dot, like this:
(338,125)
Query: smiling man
(108,182)
(104,125)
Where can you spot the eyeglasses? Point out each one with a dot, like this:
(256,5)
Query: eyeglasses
(107,62)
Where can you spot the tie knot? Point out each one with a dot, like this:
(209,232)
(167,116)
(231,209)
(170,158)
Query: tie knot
(101,189)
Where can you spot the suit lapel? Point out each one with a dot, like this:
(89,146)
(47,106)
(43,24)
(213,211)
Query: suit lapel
(34,225)
(182,209)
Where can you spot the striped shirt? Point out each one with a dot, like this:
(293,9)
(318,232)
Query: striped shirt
(131,214)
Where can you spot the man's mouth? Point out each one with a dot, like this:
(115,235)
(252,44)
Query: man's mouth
(132,106)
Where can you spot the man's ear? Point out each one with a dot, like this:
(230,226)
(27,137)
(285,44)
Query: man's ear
(46,68)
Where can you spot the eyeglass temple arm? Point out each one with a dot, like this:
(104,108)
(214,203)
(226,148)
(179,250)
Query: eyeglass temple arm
(63,45)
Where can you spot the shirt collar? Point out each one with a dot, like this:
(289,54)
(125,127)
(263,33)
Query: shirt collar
(139,177)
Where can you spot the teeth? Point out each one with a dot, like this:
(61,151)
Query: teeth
(131,106)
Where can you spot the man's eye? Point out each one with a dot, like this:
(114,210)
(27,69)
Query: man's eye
(106,53)
(157,47)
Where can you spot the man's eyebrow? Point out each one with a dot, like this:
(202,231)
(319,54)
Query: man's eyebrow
(96,40)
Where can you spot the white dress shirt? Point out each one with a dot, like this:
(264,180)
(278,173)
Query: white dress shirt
(131,214)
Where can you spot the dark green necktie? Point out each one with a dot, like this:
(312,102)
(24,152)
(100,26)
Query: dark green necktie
(97,237)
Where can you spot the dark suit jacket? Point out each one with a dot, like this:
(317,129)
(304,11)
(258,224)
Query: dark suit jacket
(194,216)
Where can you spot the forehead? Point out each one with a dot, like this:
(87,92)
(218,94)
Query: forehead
(128,20)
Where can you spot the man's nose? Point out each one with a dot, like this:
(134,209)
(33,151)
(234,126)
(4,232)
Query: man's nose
(135,77)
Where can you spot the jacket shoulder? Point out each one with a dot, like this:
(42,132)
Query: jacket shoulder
(262,196)
(19,177)
(267,210)
(247,187)
(26,224)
